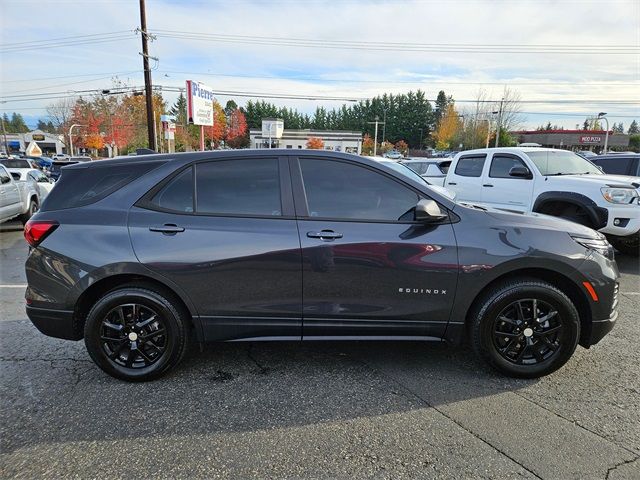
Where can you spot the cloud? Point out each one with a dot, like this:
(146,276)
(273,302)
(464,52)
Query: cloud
(352,73)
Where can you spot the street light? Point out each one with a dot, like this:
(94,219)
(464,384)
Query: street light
(602,115)
(71,138)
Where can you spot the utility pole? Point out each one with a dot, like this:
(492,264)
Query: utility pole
(499,121)
(4,133)
(602,115)
(384,125)
(147,77)
(375,135)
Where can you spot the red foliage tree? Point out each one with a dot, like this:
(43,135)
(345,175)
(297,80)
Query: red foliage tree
(315,143)
(237,129)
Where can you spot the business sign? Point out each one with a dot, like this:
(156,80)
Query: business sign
(37,137)
(590,139)
(199,103)
(168,126)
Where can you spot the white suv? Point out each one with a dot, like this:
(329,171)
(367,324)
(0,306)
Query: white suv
(553,182)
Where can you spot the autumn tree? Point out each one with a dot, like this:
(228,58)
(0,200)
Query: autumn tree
(237,133)
(402,147)
(448,129)
(315,143)
(215,133)
(367,145)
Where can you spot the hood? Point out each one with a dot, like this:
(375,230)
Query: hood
(600,180)
(535,220)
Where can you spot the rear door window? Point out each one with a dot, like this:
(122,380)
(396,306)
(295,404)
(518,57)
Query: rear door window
(239,187)
(177,195)
(470,166)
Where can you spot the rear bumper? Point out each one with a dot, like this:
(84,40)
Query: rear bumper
(54,323)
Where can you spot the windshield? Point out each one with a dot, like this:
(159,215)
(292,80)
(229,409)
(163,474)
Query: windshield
(555,162)
(15,163)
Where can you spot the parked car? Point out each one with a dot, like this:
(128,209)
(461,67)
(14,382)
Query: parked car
(393,154)
(60,156)
(43,183)
(588,154)
(56,165)
(553,182)
(139,255)
(44,163)
(405,170)
(83,158)
(433,170)
(19,163)
(619,164)
(18,199)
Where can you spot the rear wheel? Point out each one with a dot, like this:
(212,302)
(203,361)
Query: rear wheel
(628,245)
(33,208)
(136,334)
(525,328)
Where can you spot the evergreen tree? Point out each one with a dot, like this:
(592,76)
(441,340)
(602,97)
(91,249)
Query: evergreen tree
(441,106)
(633,128)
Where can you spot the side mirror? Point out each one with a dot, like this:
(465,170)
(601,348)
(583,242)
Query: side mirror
(428,211)
(520,172)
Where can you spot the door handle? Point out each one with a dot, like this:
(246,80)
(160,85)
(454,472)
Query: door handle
(167,229)
(452,183)
(487,185)
(324,235)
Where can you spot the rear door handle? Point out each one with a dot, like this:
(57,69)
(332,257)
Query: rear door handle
(167,229)
(325,235)
(452,183)
(487,185)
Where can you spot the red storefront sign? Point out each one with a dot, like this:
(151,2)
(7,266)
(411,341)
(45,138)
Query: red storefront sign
(591,139)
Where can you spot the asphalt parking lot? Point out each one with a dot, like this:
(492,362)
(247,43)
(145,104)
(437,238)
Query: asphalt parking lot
(319,410)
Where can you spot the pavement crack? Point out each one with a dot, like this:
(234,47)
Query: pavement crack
(576,423)
(448,417)
(262,370)
(621,464)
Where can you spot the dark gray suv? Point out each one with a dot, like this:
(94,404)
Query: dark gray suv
(142,255)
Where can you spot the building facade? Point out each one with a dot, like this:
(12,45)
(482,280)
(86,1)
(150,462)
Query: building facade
(336,140)
(573,139)
(49,143)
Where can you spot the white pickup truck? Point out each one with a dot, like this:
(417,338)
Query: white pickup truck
(17,198)
(553,182)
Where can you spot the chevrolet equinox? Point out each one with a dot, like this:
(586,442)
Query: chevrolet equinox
(142,255)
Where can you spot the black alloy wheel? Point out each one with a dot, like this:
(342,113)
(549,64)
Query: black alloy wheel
(525,327)
(527,332)
(133,336)
(137,333)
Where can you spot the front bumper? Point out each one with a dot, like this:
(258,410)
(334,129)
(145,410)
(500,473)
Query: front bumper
(54,323)
(627,215)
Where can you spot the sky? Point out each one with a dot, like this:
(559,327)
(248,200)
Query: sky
(567,59)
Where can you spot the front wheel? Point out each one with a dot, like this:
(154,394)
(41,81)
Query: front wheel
(525,328)
(136,334)
(628,245)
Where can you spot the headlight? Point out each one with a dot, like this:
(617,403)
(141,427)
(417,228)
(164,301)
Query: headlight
(619,195)
(600,245)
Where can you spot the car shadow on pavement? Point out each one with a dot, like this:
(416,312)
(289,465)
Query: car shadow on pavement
(628,264)
(53,393)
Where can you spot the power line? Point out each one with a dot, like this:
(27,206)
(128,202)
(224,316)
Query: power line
(425,80)
(66,44)
(404,46)
(48,40)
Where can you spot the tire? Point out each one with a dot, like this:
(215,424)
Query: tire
(127,343)
(521,351)
(628,245)
(33,208)
(576,215)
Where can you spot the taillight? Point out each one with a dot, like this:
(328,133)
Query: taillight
(35,231)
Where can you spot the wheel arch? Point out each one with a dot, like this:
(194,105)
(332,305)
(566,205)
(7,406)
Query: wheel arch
(548,203)
(98,288)
(558,279)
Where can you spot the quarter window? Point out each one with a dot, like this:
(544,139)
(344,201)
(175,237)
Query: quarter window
(343,191)
(239,187)
(470,166)
(177,195)
(501,165)
(614,166)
